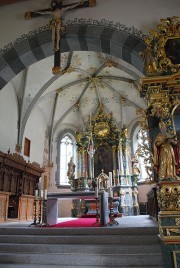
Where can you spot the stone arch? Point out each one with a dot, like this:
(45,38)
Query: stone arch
(115,40)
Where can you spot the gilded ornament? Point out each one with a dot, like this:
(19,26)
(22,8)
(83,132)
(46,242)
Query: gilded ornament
(161,55)
(101,129)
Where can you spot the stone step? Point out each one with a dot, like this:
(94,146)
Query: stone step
(83,260)
(78,248)
(78,231)
(68,266)
(83,239)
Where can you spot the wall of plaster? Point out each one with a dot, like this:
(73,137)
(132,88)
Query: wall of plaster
(143,15)
(8,119)
(35,132)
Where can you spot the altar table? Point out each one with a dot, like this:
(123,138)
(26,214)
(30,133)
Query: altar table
(52,204)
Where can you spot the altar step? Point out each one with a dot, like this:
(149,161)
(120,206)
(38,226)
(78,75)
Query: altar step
(83,247)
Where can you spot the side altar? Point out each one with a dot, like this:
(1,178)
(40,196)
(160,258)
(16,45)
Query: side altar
(161,89)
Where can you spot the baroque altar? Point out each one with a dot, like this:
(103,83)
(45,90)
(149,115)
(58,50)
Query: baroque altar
(103,150)
(161,88)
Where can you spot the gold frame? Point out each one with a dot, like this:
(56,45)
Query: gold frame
(175,259)
(168,29)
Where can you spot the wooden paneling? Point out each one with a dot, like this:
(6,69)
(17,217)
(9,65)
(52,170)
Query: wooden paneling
(18,180)
(4,200)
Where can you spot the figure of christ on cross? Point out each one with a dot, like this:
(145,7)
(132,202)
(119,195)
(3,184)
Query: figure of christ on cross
(57,10)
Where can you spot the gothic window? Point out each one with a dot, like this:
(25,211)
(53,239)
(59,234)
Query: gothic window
(66,148)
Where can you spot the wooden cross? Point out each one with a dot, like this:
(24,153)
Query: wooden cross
(56,11)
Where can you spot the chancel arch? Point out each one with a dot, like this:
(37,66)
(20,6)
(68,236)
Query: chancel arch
(116,40)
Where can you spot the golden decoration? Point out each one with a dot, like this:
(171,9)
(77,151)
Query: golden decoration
(169,197)
(142,118)
(164,42)
(92,3)
(27,15)
(110,63)
(101,129)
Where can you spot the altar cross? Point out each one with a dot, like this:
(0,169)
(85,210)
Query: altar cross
(56,11)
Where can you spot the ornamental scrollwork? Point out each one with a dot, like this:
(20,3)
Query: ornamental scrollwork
(144,149)
(169,197)
(161,55)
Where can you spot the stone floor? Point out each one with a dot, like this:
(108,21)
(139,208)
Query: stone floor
(124,222)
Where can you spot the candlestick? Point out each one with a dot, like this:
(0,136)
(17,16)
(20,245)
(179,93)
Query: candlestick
(96,192)
(110,179)
(45,182)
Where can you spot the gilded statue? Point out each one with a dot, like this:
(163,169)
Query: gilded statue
(149,60)
(165,158)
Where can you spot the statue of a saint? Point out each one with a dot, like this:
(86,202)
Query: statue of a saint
(71,169)
(164,155)
(149,60)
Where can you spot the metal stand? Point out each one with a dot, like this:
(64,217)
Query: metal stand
(97,212)
(35,214)
(111,216)
(44,214)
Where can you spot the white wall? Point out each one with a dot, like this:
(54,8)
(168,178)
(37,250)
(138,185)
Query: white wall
(35,132)
(143,15)
(8,119)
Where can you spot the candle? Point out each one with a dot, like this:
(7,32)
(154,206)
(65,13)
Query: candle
(45,182)
(109,192)
(41,193)
(45,195)
(36,194)
(96,192)
(110,179)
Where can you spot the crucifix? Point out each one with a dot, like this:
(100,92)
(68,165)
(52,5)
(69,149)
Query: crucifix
(56,11)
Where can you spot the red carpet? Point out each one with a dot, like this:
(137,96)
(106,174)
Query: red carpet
(80,222)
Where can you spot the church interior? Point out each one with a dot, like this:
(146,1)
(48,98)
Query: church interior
(90,120)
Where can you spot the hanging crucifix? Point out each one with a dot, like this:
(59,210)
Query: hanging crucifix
(57,10)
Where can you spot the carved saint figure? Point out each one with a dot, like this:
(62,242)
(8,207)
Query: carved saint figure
(164,156)
(149,61)
(71,169)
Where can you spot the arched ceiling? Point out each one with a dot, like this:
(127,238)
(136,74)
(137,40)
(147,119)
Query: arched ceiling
(88,78)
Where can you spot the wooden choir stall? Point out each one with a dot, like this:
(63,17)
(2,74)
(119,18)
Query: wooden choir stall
(18,180)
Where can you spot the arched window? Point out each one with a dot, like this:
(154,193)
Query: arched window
(66,152)
(66,148)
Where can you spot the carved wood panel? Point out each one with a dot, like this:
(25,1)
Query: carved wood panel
(3,207)
(18,180)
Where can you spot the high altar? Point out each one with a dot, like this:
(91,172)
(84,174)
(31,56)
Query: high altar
(103,150)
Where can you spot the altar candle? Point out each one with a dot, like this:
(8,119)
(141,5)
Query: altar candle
(118,175)
(109,192)
(45,182)
(41,193)
(110,179)
(36,194)
(96,192)
(45,195)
